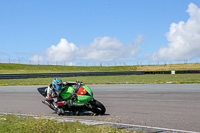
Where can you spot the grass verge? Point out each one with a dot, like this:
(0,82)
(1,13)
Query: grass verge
(16,124)
(23,68)
(125,79)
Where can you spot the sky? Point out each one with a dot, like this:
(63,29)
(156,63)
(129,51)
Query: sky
(74,31)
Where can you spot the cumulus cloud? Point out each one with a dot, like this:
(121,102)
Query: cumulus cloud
(101,49)
(133,48)
(183,37)
(108,49)
(62,52)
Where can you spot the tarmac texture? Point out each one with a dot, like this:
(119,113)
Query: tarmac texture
(175,106)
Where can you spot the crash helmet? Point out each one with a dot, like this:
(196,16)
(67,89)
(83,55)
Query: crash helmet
(57,84)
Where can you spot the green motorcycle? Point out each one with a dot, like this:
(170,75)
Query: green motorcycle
(84,100)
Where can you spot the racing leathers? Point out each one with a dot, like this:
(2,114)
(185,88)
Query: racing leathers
(53,99)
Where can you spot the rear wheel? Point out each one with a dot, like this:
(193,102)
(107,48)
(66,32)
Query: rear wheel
(98,107)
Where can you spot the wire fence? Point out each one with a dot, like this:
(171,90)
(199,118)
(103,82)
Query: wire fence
(94,63)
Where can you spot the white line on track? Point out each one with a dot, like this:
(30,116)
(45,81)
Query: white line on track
(118,125)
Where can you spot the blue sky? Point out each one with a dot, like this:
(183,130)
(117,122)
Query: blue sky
(99,30)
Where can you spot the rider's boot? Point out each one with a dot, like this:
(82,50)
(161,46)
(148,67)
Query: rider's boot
(58,109)
(49,103)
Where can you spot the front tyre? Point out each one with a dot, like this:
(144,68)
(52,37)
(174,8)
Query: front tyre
(98,107)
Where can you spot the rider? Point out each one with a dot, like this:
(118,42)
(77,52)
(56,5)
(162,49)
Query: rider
(53,98)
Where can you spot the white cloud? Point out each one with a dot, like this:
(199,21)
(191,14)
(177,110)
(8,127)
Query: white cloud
(183,37)
(101,49)
(108,49)
(64,51)
(133,48)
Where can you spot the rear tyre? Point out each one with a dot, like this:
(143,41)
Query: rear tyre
(98,107)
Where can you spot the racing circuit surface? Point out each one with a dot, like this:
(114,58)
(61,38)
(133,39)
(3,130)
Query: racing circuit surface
(175,106)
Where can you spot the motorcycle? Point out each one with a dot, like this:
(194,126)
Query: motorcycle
(84,101)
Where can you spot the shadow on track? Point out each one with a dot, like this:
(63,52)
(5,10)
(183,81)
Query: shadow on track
(81,114)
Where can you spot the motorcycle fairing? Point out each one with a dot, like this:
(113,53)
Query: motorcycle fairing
(66,93)
(82,99)
(81,91)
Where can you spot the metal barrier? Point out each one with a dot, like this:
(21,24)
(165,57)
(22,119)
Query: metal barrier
(76,74)
(175,72)
(72,74)
(157,72)
(187,71)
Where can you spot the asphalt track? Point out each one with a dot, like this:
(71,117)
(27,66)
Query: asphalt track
(175,106)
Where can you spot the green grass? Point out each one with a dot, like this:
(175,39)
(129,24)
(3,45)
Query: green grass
(22,68)
(16,124)
(126,79)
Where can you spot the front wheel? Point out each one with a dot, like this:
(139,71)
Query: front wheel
(98,107)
